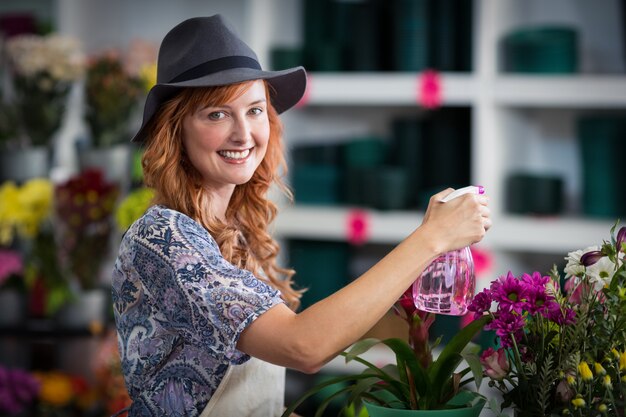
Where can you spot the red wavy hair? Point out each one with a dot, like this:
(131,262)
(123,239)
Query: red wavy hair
(242,237)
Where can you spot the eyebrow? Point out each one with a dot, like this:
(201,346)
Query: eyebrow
(226,106)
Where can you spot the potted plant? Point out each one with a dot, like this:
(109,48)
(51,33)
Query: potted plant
(416,383)
(43,70)
(84,207)
(562,348)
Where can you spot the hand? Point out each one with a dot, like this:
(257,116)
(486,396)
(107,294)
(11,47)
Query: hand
(457,223)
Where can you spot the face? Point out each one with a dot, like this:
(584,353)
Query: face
(227,143)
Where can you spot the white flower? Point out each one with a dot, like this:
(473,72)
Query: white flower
(574,268)
(58,56)
(601,273)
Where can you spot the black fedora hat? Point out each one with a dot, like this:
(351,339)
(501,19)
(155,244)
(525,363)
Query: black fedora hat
(206,52)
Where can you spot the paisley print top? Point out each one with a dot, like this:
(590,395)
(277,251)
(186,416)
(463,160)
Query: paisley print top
(179,308)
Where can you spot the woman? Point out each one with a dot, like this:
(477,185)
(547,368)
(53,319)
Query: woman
(206,318)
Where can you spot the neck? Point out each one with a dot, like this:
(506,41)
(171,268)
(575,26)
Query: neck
(220,199)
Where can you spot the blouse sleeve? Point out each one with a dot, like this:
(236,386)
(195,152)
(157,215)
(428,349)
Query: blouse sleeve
(201,295)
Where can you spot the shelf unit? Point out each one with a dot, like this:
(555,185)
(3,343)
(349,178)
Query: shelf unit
(510,113)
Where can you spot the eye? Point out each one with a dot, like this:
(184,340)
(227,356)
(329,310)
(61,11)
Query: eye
(256,111)
(216,115)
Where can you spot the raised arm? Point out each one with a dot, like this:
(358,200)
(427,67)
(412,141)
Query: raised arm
(307,340)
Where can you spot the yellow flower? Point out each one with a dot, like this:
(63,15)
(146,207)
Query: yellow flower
(148,75)
(578,402)
(602,408)
(585,372)
(622,361)
(599,368)
(571,380)
(615,353)
(56,389)
(606,381)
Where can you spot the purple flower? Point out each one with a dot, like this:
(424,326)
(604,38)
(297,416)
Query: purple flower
(538,300)
(621,238)
(559,316)
(591,258)
(18,390)
(509,293)
(506,323)
(481,303)
(536,280)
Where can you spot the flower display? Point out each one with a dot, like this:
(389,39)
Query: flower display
(24,209)
(18,391)
(416,381)
(109,377)
(561,349)
(112,94)
(132,207)
(44,69)
(116,80)
(84,206)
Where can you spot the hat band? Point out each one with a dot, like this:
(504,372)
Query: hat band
(217,65)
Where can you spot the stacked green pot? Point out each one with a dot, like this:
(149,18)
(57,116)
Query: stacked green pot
(544,49)
(602,149)
(316,174)
(529,193)
(321,267)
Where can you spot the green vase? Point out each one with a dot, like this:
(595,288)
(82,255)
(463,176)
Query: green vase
(462,398)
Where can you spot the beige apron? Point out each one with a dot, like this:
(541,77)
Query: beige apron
(253,389)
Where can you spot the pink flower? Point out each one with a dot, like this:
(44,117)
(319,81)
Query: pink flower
(509,293)
(480,304)
(10,263)
(495,363)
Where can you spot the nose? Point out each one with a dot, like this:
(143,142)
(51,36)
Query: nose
(242,131)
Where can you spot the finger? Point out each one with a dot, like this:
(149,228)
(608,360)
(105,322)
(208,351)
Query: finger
(441,194)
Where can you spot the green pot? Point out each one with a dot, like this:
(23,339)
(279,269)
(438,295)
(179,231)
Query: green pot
(462,398)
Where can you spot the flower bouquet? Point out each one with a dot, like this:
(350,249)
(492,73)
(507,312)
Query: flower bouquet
(415,381)
(112,93)
(84,207)
(26,223)
(562,349)
(44,69)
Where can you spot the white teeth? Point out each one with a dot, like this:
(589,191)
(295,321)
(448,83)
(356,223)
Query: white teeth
(234,154)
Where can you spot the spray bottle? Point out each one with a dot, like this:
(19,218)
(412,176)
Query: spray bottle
(447,285)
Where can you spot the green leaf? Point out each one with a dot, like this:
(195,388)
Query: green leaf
(324,404)
(405,358)
(395,385)
(450,357)
(360,347)
(319,387)
(473,361)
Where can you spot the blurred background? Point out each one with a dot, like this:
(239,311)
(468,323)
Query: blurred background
(405,98)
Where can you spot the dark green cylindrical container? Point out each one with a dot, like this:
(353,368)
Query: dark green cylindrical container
(321,267)
(602,149)
(528,193)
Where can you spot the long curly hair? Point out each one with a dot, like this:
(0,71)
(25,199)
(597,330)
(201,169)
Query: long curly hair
(242,237)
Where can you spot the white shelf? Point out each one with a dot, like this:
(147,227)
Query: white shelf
(381,89)
(583,91)
(332,223)
(509,233)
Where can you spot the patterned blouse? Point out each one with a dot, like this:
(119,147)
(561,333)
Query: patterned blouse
(179,308)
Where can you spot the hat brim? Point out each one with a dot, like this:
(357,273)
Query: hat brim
(287,88)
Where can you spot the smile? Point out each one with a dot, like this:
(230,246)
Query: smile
(235,155)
